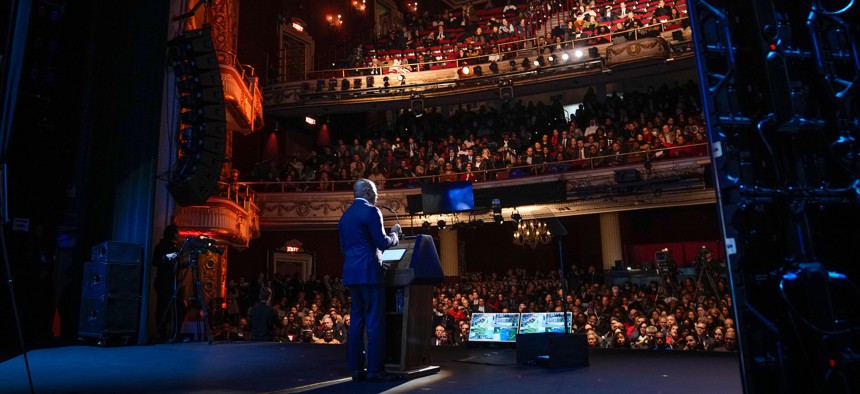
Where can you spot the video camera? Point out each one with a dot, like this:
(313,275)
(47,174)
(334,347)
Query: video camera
(663,260)
(202,243)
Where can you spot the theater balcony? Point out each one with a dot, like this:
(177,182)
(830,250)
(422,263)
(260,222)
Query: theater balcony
(231,216)
(515,67)
(585,188)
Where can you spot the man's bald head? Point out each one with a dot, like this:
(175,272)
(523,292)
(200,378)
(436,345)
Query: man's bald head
(366,189)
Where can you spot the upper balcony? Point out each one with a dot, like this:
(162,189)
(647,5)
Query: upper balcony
(439,75)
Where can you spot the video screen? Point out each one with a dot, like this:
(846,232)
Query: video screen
(494,327)
(447,197)
(544,322)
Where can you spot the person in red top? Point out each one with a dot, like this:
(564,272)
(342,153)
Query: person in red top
(458,313)
(468,175)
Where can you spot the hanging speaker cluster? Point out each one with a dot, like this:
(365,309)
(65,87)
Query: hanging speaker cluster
(203,121)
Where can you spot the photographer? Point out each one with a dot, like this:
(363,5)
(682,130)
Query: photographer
(164,259)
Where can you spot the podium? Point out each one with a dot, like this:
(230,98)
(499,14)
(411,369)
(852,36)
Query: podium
(409,282)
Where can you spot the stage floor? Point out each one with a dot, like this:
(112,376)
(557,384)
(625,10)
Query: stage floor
(288,368)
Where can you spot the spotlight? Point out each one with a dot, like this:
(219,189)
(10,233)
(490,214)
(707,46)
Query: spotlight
(593,53)
(478,71)
(537,62)
(320,85)
(369,81)
(578,53)
(551,59)
(513,64)
(516,217)
(426,225)
(356,83)
(385,81)
(565,57)
(402,79)
(526,63)
(344,84)
(494,67)
(332,84)
(440,225)
(464,71)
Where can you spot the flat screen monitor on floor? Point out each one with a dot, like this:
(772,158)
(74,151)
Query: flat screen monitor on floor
(494,327)
(544,322)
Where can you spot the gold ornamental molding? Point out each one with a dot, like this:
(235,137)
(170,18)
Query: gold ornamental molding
(221,219)
(322,210)
(645,49)
(243,101)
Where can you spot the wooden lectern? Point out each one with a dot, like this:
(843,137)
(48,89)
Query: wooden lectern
(414,270)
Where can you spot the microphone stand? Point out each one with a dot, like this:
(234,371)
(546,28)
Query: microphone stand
(389,209)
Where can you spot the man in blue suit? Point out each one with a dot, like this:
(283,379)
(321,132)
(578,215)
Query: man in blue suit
(362,240)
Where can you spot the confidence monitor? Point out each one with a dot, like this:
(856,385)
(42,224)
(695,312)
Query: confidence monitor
(494,327)
(531,323)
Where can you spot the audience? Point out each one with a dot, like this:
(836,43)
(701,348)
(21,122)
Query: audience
(520,139)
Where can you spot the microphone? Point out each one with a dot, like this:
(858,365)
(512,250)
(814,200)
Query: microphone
(389,209)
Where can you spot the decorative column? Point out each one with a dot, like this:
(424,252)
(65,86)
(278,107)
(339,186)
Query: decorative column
(448,252)
(610,239)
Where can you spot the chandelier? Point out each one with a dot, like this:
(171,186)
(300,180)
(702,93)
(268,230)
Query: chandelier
(531,233)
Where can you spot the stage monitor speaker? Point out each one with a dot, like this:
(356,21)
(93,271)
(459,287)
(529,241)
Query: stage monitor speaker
(552,349)
(103,279)
(104,317)
(117,252)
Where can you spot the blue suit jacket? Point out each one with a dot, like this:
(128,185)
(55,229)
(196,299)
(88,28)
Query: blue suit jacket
(362,240)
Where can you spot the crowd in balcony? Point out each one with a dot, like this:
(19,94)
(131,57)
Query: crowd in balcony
(471,35)
(481,144)
(686,316)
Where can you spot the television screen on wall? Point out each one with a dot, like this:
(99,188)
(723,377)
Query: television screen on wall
(447,197)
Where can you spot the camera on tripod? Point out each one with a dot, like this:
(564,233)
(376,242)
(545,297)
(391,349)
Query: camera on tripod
(701,260)
(662,260)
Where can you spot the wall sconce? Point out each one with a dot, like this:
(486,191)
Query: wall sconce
(413,6)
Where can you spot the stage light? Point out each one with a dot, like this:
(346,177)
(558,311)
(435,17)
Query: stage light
(537,63)
(402,79)
(578,53)
(565,56)
(551,59)
(440,225)
(385,81)
(494,67)
(513,64)
(464,72)
(516,217)
(593,53)
(478,71)
(356,83)
(369,81)
(344,84)
(332,84)
(320,85)
(526,63)
(426,225)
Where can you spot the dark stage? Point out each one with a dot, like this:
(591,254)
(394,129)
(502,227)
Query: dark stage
(286,368)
